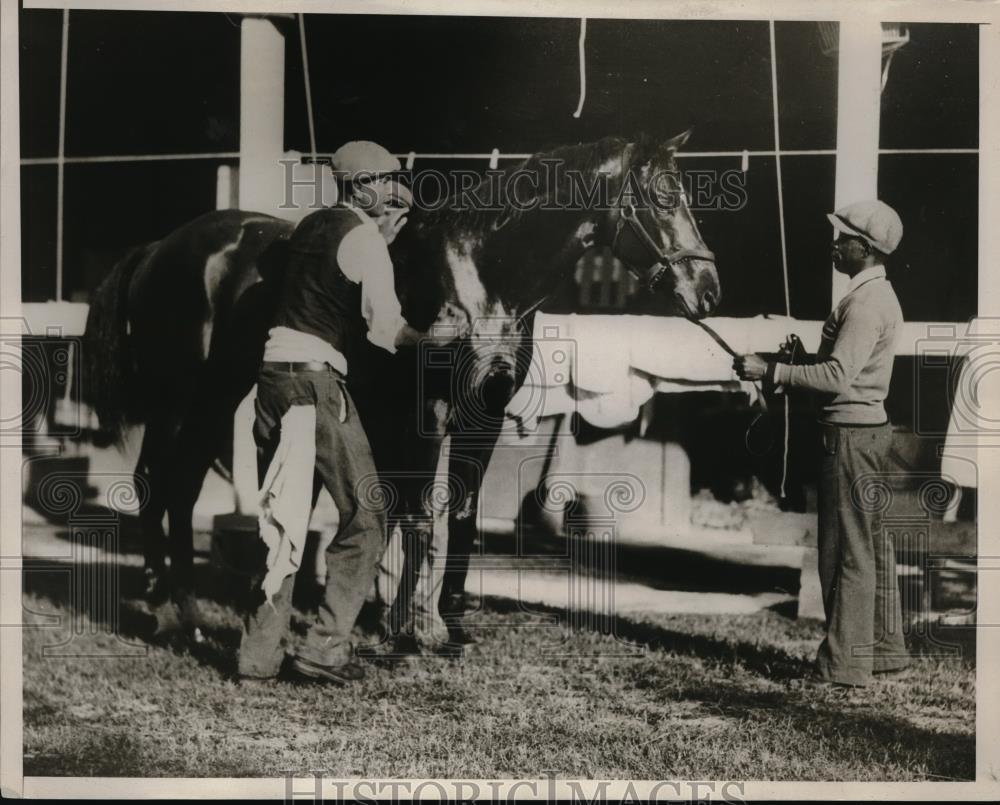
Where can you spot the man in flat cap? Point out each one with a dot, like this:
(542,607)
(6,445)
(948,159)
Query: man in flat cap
(337,293)
(850,376)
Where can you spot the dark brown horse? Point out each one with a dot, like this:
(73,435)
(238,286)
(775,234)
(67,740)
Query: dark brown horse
(175,333)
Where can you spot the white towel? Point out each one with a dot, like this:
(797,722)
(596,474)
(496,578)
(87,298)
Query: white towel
(285,498)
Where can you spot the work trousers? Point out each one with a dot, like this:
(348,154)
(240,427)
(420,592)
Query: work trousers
(345,467)
(857,558)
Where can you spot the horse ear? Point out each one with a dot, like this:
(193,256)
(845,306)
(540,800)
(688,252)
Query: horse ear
(644,149)
(676,143)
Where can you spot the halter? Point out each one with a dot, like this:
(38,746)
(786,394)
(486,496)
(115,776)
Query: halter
(652,274)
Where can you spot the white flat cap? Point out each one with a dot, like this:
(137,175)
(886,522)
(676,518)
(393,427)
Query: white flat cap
(874,220)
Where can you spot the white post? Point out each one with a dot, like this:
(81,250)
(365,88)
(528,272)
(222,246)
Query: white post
(859,91)
(226,186)
(259,189)
(262,114)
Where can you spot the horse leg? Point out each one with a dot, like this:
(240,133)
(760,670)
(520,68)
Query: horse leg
(402,566)
(198,442)
(148,478)
(468,458)
(151,477)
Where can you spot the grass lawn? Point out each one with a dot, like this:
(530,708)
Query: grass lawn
(697,697)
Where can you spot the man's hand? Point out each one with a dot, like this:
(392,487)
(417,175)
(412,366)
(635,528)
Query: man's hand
(750,367)
(391,222)
(408,336)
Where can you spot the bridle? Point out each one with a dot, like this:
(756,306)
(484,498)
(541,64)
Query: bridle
(651,275)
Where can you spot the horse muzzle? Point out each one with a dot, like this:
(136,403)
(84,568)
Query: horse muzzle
(697,292)
(496,387)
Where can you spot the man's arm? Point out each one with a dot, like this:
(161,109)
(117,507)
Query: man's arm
(856,339)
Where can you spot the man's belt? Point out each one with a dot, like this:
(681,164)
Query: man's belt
(300,366)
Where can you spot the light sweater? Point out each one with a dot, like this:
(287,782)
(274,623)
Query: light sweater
(854,361)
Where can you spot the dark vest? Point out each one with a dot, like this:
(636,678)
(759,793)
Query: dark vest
(316,296)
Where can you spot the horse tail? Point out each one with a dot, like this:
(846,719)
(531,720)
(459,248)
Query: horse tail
(106,366)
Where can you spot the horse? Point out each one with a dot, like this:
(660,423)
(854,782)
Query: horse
(171,342)
(175,333)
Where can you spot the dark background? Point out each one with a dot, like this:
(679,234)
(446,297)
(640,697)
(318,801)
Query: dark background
(159,82)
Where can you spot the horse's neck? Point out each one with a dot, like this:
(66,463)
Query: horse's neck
(483,268)
(530,257)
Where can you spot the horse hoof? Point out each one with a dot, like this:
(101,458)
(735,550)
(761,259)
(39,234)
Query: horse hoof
(167,620)
(155,591)
(190,612)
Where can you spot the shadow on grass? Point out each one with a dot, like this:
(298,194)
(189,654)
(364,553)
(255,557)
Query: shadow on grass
(660,567)
(767,660)
(127,527)
(53,580)
(64,584)
(864,726)
(863,729)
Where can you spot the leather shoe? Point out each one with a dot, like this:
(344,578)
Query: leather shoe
(334,674)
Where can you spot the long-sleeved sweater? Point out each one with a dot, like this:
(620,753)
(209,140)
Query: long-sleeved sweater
(854,362)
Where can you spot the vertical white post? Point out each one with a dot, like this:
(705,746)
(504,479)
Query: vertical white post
(226,185)
(859,91)
(260,189)
(989,170)
(262,114)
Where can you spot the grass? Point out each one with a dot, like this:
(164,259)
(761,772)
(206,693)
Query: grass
(696,697)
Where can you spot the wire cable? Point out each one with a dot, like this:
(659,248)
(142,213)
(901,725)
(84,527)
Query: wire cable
(308,85)
(583,67)
(61,158)
(781,226)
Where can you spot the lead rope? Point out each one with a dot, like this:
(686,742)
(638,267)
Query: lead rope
(761,399)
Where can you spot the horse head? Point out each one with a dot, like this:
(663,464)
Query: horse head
(479,271)
(650,228)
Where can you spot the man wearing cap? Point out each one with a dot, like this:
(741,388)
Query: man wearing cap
(851,373)
(337,290)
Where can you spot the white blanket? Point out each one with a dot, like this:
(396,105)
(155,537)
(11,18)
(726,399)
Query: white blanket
(607,367)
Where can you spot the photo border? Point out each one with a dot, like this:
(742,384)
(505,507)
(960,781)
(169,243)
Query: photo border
(987,784)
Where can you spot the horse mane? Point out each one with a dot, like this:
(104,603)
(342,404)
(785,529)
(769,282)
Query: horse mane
(583,157)
(418,252)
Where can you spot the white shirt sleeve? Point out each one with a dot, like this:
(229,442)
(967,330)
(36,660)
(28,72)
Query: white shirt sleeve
(364,258)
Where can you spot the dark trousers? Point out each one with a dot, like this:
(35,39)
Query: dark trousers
(345,467)
(857,559)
